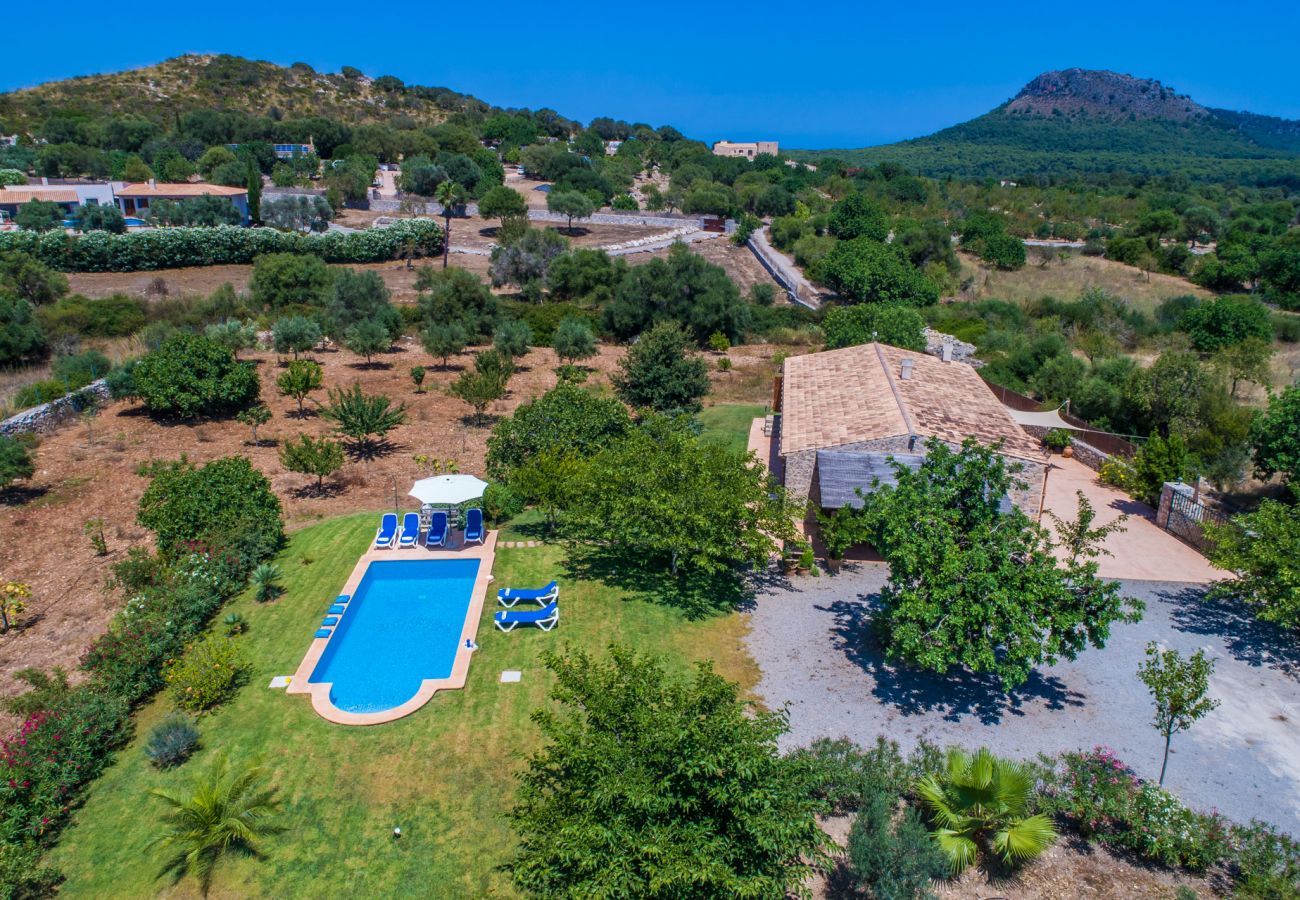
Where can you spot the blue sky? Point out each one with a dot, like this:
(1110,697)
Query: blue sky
(823,74)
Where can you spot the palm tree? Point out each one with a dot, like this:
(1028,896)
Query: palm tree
(449,195)
(980,803)
(224,813)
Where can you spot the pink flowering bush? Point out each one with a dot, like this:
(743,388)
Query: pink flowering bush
(1102,798)
(49,757)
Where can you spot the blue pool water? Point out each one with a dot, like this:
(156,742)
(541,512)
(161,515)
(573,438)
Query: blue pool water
(402,626)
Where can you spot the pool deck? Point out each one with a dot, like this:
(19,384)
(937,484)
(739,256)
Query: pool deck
(320,693)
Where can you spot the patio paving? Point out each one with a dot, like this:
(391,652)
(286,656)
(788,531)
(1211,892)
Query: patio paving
(812,640)
(1143,550)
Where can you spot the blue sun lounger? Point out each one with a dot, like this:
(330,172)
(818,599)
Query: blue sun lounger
(387,530)
(439,527)
(474,525)
(410,530)
(545,618)
(511,596)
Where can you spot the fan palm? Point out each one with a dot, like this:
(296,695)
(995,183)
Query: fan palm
(224,813)
(982,801)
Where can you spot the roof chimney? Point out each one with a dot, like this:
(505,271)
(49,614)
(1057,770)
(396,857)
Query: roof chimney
(153,182)
(906,369)
(44,181)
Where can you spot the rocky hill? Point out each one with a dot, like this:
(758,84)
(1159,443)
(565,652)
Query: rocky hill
(206,82)
(1103,95)
(1083,122)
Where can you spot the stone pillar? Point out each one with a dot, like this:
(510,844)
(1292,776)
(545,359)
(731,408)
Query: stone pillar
(1167,491)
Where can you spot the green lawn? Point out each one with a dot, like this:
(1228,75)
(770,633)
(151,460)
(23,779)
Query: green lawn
(444,774)
(728,424)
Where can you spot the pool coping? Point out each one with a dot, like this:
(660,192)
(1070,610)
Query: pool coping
(301,683)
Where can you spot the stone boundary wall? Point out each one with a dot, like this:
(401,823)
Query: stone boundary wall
(48,416)
(545,215)
(1085,453)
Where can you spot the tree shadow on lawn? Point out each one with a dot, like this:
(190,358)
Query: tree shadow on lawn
(955,695)
(696,594)
(1248,639)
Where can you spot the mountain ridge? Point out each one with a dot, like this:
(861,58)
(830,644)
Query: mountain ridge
(1096,122)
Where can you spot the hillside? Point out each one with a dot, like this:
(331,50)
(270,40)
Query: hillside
(204,82)
(1081,121)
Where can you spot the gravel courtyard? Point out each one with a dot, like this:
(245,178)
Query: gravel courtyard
(813,642)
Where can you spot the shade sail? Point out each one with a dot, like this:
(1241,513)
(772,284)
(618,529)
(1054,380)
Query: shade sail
(1049,419)
(448,489)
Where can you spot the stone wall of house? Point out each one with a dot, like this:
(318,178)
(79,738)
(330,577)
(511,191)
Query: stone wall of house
(1030,497)
(48,416)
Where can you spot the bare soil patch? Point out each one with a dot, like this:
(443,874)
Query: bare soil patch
(87,471)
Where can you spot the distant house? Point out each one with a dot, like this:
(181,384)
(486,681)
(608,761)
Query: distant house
(135,199)
(12,198)
(748,150)
(286,151)
(845,412)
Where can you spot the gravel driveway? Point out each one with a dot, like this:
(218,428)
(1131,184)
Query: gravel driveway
(812,640)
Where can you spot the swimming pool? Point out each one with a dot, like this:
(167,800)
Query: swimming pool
(402,627)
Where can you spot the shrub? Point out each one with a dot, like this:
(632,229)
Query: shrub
(888,323)
(15,461)
(114,316)
(53,753)
(1266,861)
(363,417)
(566,420)
(168,248)
(501,503)
(846,774)
(226,504)
(1058,439)
(295,334)
(1162,829)
(660,373)
(266,580)
(191,375)
(207,674)
(172,741)
(21,337)
(893,858)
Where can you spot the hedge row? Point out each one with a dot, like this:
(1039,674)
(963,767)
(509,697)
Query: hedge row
(173,248)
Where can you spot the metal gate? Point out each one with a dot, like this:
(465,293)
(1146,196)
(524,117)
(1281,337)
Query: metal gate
(1188,518)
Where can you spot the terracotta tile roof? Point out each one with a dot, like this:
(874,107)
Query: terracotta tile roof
(13,194)
(179,189)
(857,394)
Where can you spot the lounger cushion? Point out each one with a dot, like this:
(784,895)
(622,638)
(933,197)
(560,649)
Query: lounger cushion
(331,620)
(342,598)
(323,632)
(336,609)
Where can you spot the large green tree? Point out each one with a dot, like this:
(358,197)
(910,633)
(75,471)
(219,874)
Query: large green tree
(566,420)
(289,279)
(457,295)
(655,785)
(660,372)
(359,296)
(1262,549)
(21,337)
(974,587)
(867,271)
(227,505)
(191,375)
(502,202)
(685,288)
(888,323)
(1225,321)
(669,496)
(858,216)
(365,419)
(1275,436)
(570,204)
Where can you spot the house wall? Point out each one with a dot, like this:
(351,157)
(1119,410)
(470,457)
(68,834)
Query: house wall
(801,486)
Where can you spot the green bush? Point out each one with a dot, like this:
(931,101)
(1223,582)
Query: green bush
(207,674)
(80,369)
(169,248)
(888,323)
(846,774)
(21,336)
(1058,439)
(226,507)
(501,503)
(893,857)
(191,375)
(543,318)
(114,316)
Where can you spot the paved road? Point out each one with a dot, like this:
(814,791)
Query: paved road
(808,293)
(813,643)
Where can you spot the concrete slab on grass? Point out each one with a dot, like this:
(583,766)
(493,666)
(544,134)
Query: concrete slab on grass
(510,676)
(280,681)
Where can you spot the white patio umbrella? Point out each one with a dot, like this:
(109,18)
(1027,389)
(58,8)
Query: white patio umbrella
(448,489)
